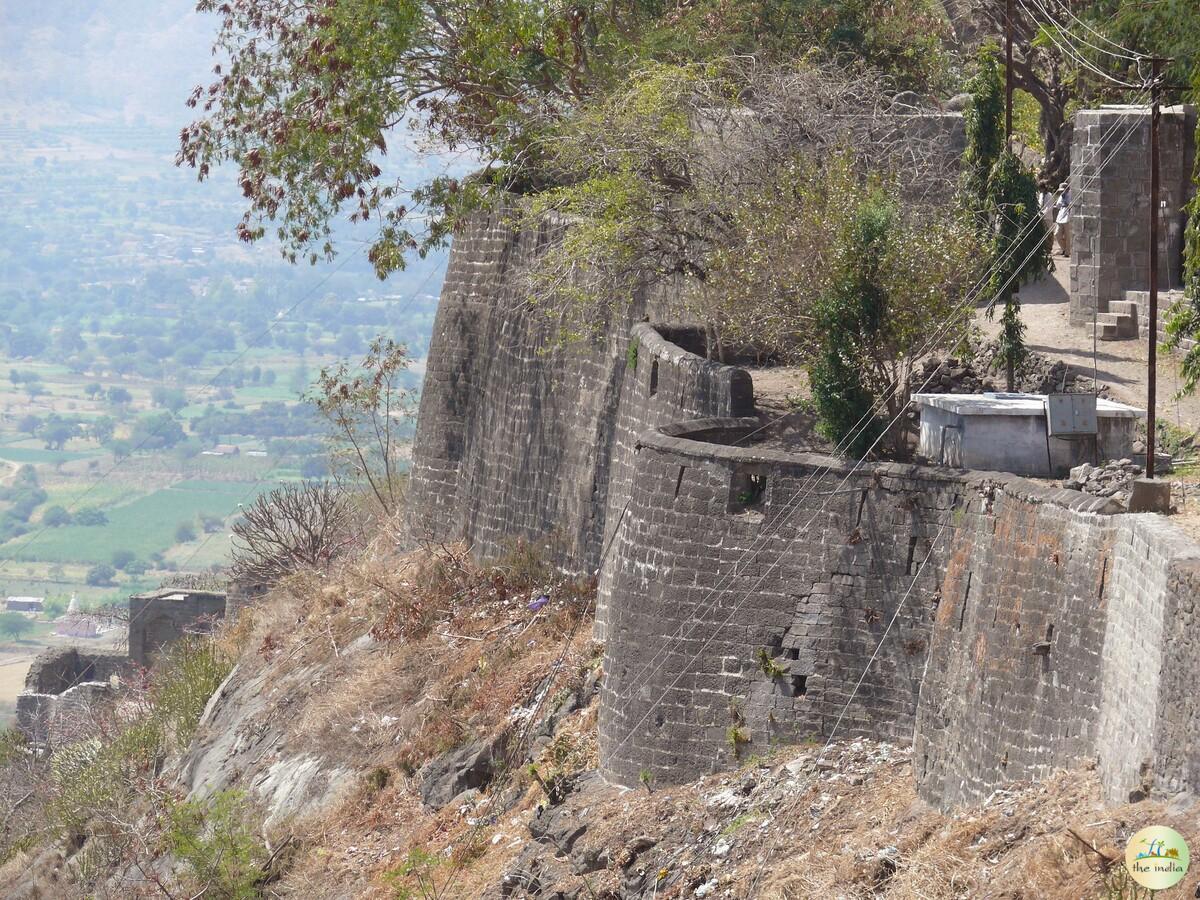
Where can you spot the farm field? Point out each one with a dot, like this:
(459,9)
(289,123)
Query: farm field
(145,526)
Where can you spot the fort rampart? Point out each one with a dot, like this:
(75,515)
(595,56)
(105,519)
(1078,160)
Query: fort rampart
(750,595)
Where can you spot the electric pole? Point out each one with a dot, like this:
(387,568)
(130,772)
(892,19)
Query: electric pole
(1008,73)
(1152,350)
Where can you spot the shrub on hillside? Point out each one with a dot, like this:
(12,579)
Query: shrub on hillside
(296,526)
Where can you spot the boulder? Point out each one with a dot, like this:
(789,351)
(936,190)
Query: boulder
(470,766)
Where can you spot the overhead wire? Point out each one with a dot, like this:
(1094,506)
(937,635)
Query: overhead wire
(809,484)
(697,617)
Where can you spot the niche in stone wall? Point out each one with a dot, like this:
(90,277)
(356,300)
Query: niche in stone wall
(794,680)
(747,488)
(654,378)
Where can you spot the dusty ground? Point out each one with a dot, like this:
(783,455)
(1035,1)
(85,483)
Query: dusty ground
(1045,308)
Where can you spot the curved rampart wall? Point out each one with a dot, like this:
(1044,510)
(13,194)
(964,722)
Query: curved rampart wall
(662,383)
(513,433)
(520,437)
(752,590)
(750,587)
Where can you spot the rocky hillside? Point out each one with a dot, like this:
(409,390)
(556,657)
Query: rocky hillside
(419,726)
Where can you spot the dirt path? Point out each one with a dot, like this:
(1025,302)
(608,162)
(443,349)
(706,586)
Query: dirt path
(1045,310)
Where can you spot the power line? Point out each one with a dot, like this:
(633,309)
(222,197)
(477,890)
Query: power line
(696,616)
(810,483)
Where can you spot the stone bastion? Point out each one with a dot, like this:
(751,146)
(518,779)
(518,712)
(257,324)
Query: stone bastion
(749,595)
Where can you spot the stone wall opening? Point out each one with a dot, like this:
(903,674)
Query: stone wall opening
(747,489)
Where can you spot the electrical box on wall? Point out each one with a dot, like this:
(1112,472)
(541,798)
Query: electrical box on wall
(1070,414)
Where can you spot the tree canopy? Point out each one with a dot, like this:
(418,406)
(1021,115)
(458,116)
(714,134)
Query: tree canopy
(309,96)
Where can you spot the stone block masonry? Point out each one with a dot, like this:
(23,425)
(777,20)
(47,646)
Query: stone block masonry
(1110,179)
(59,685)
(747,589)
(750,587)
(514,435)
(162,617)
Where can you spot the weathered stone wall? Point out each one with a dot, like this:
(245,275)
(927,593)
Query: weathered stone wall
(54,671)
(1014,683)
(731,556)
(60,686)
(164,616)
(514,433)
(1111,221)
(662,383)
(1052,646)
(752,589)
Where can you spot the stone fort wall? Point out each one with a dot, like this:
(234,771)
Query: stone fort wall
(514,435)
(744,590)
(1024,629)
(1110,179)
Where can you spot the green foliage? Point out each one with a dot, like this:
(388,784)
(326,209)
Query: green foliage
(738,737)
(769,667)
(903,38)
(848,316)
(414,878)
(305,106)
(192,671)
(1183,320)
(56,517)
(1019,251)
(984,125)
(100,575)
(95,777)
(368,410)
(215,840)
(15,625)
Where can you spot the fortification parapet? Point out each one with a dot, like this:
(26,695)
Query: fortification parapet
(164,616)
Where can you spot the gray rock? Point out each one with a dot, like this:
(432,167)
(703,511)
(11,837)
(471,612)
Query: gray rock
(445,777)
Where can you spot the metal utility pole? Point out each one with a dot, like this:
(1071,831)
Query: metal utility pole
(1008,73)
(1152,350)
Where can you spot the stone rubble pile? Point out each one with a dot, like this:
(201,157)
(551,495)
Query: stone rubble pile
(950,376)
(1109,480)
(983,373)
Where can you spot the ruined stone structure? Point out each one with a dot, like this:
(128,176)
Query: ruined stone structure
(162,617)
(1110,224)
(749,595)
(63,682)
(59,685)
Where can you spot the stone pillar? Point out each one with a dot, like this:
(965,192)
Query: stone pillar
(1110,223)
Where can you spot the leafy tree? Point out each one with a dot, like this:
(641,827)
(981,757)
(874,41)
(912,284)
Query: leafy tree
(101,575)
(157,431)
(170,398)
(366,409)
(119,396)
(56,517)
(56,432)
(93,390)
(121,448)
(305,106)
(122,558)
(91,517)
(102,429)
(15,625)
(895,283)
(184,532)
(29,424)
(1183,321)
(211,524)
(984,126)
(1018,252)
